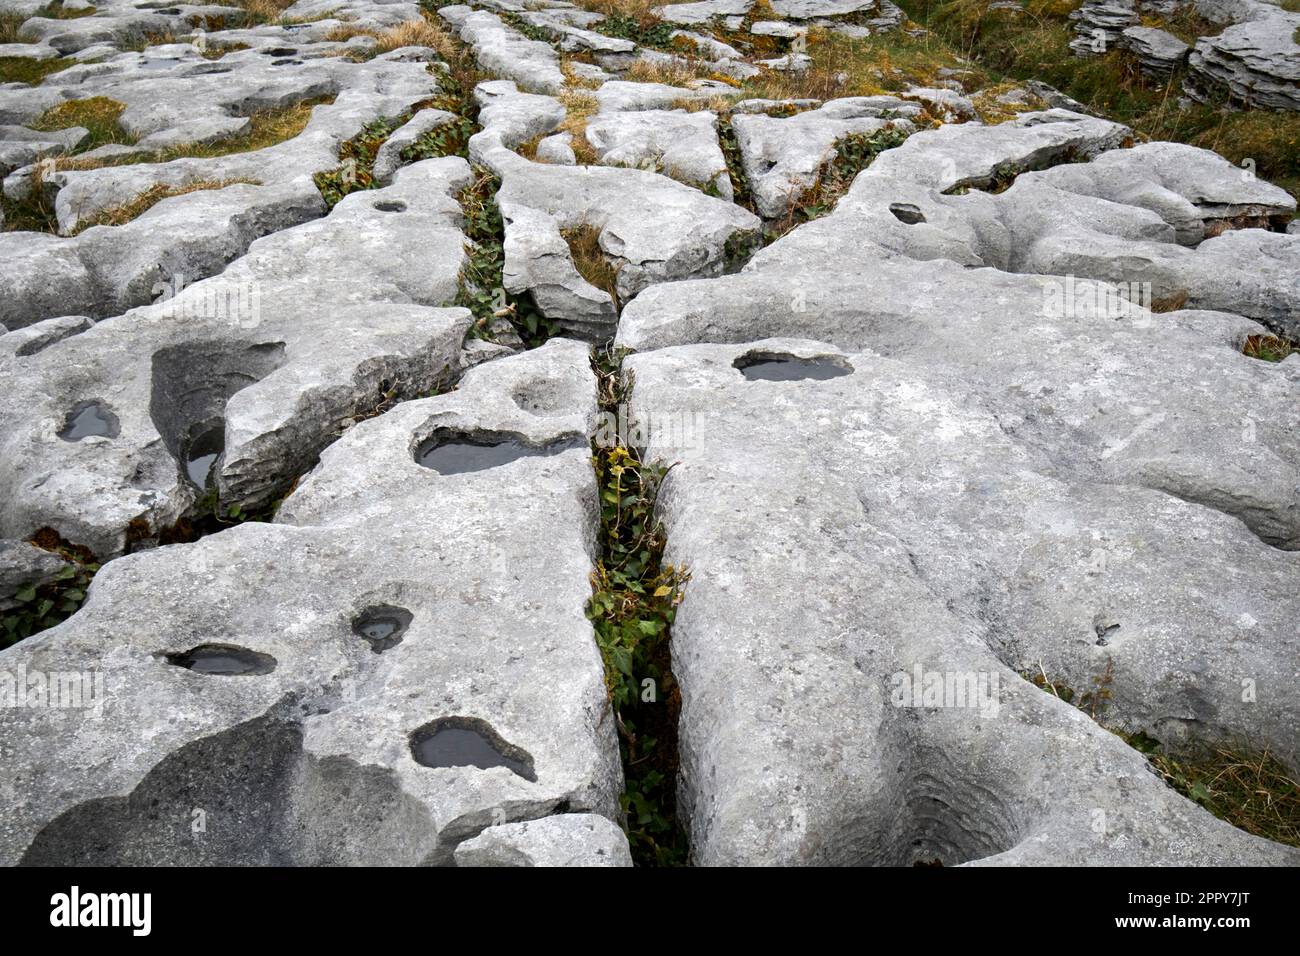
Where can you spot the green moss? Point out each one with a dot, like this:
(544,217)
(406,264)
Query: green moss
(17,69)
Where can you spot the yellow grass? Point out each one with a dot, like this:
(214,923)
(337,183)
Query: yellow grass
(118,215)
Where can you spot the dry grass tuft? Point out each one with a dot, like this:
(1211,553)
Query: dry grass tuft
(263,11)
(1250,790)
(714,104)
(590,260)
(1171,302)
(572,79)
(267,128)
(581,106)
(1269,348)
(118,215)
(97,114)
(409,33)
(680,72)
(639,10)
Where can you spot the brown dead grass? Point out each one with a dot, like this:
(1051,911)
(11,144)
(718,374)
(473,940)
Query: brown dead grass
(580,107)
(409,33)
(572,79)
(263,11)
(1251,790)
(590,260)
(267,128)
(638,10)
(678,73)
(118,215)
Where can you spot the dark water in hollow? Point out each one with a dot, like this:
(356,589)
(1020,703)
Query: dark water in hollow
(203,454)
(383,627)
(790,369)
(89,419)
(463,747)
(221,660)
(456,456)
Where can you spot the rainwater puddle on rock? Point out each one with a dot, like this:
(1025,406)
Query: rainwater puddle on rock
(203,454)
(223,660)
(467,742)
(382,626)
(906,213)
(762,367)
(455,454)
(89,419)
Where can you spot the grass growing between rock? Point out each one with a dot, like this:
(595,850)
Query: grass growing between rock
(266,128)
(1239,784)
(258,12)
(1034,44)
(18,69)
(420,32)
(859,67)
(1270,348)
(590,260)
(633,604)
(120,215)
(579,107)
(11,21)
(98,115)
(42,607)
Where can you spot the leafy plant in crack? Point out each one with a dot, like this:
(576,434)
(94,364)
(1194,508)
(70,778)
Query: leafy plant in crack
(648,31)
(482,288)
(853,154)
(449,139)
(356,169)
(40,607)
(633,604)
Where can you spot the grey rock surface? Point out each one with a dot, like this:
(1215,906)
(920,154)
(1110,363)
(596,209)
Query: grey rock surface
(106,270)
(389,156)
(1159,52)
(973,155)
(651,228)
(1099,25)
(272,354)
(1255,63)
(315,757)
(987,415)
(565,839)
(783,157)
(681,145)
(506,52)
(837,588)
